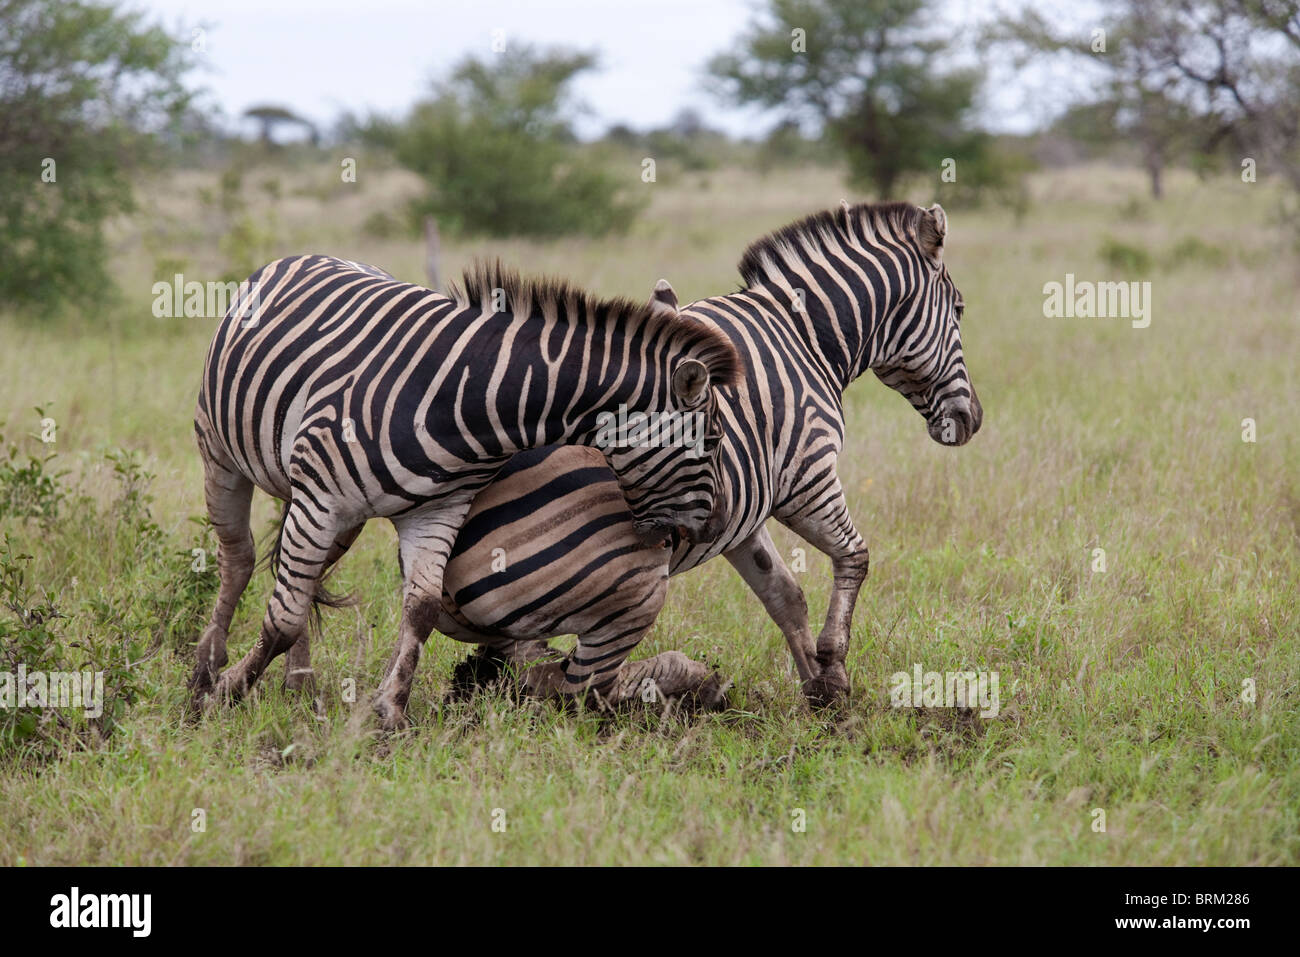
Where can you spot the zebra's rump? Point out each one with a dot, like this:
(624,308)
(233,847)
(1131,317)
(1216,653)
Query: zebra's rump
(543,507)
(319,356)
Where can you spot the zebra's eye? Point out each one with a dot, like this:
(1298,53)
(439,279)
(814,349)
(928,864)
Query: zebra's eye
(961,310)
(711,441)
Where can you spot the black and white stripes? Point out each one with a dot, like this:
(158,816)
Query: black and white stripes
(824,300)
(351,395)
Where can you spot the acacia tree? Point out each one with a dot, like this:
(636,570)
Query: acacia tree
(868,73)
(82,89)
(1138,95)
(269,117)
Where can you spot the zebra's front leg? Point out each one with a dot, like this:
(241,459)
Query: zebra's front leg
(598,663)
(608,632)
(649,681)
(830,529)
(424,543)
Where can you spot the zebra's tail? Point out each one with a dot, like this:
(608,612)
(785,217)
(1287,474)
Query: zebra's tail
(324,597)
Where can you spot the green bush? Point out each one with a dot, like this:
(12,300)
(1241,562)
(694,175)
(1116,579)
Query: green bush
(28,489)
(160,597)
(1194,251)
(83,88)
(497,153)
(1124,257)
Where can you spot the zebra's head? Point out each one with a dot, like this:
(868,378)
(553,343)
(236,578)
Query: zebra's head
(919,352)
(666,461)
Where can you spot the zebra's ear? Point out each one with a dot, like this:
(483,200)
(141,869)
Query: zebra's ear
(664,298)
(932,230)
(691,382)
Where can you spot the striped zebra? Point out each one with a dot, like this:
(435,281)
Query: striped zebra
(350,395)
(824,300)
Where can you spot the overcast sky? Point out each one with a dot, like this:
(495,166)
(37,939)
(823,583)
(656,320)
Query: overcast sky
(319,57)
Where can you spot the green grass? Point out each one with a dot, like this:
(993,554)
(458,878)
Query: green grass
(1121,690)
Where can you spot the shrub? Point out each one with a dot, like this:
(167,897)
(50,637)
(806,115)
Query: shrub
(158,600)
(1194,251)
(28,487)
(496,151)
(1124,257)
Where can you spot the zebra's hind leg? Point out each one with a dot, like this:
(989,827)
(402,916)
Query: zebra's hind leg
(424,543)
(229,496)
(669,675)
(305,542)
(298,673)
(598,663)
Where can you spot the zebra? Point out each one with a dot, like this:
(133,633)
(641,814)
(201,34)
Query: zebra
(350,395)
(824,300)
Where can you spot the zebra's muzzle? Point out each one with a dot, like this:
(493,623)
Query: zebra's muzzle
(957,422)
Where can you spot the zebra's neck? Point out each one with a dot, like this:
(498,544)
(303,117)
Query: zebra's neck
(836,325)
(833,281)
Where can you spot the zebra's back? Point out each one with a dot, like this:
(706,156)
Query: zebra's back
(321,355)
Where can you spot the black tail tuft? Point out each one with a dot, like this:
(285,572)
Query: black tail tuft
(324,597)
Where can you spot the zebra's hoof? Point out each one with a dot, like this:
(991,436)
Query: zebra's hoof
(478,669)
(392,716)
(302,680)
(825,691)
(710,696)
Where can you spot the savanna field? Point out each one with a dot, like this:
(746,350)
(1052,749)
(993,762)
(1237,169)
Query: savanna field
(1154,682)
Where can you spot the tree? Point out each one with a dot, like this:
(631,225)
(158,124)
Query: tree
(496,147)
(1140,98)
(1184,78)
(270,116)
(867,72)
(82,88)
(1243,56)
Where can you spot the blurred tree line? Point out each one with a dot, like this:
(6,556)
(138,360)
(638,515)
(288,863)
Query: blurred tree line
(1188,81)
(92,96)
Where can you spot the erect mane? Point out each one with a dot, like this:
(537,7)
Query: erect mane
(524,294)
(867,222)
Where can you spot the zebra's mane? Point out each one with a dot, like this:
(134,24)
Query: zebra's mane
(523,294)
(867,221)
